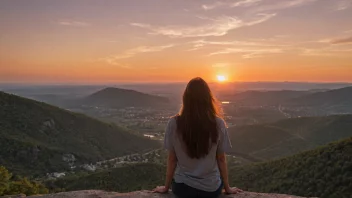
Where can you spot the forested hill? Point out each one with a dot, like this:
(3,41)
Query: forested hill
(116,97)
(325,172)
(333,97)
(36,138)
(289,136)
(253,97)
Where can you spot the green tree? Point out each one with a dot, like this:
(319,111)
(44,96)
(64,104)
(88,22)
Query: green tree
(21,186)
(27,187)
(10,185)
(4,179)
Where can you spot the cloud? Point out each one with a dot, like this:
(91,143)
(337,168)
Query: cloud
(345,40)
(141,25)
(73,23)
(113,60)
(198,44)
(247,53)
(324,51)
(338,41)
(243,3)
(277,5)
(141,49)
(283,5)
(342,5)
(217,27)
(213,5)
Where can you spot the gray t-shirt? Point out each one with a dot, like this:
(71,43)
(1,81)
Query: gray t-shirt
(203,173)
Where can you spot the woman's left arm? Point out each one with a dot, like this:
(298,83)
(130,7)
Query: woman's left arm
(171,166)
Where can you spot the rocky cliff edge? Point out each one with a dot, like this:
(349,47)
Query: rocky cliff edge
(145,194)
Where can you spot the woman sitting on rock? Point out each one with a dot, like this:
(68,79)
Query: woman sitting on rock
(196,140)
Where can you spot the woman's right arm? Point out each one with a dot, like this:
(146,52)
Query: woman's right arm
(223,147)
(222,164)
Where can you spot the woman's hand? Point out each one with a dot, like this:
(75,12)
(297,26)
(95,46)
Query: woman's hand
(160,189)
(233,190)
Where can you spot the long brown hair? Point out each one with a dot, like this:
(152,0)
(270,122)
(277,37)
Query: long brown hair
(196,122)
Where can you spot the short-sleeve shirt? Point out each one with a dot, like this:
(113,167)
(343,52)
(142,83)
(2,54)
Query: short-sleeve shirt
(203,173)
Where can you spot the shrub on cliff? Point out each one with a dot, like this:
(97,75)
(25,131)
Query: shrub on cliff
(20,185)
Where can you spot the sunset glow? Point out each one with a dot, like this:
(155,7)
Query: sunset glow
(172,41)
(221,78)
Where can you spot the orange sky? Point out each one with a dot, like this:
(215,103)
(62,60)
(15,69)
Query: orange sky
(155,41)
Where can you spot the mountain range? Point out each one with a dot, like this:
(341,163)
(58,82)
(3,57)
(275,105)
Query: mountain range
(262,97)
(37,138)
(288,136)
(116,97)
(334,97)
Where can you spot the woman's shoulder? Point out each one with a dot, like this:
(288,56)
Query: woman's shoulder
(220,122)
(172,121)
(173,118)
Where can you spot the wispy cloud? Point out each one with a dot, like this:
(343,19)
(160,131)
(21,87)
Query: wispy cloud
(243,3)
(73,23)
(113,60)
(324,51)
(213,5)
(261,6)
(202,43)
(279,5)
(342,5)
(247,53)
(217,27)
(345,40)
(338,41)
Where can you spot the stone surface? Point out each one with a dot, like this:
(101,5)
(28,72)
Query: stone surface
(137,194)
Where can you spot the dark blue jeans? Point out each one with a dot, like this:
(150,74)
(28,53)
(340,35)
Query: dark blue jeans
(181,190)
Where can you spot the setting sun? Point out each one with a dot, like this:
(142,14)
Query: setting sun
(221,78)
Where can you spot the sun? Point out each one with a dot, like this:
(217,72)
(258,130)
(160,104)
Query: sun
(221,78)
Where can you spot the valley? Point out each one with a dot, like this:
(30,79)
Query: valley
(101,138)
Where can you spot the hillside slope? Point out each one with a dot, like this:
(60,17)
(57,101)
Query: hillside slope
(36,137)
(289,136)
(262,97)
(333,97)
(116,97)
(123,179)
(325,172)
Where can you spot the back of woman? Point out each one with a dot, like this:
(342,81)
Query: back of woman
(201,173)
(197,140)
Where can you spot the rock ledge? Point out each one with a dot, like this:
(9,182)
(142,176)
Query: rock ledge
(146,194)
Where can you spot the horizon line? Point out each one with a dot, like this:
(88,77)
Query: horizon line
(166,82)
